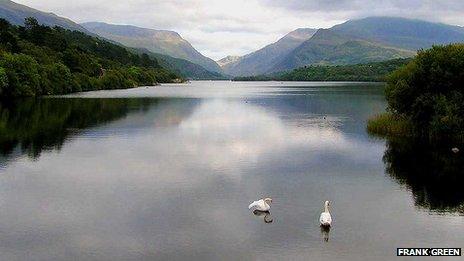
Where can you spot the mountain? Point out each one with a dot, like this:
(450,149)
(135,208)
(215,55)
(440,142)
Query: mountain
(182,67)
(370,39)
(228,60)
(185,68)
(410,34)
(266,58)
(156,41)
(16,13)
(327,47)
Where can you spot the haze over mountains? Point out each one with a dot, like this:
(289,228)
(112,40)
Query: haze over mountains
(156,41)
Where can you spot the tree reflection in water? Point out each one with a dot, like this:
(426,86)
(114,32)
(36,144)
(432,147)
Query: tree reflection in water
(432,172)
(30,126)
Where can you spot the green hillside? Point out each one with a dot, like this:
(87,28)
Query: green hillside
(157,41)
(327,47)
(184,68)
(39,60)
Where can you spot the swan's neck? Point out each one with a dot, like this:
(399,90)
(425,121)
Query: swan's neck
(326,210)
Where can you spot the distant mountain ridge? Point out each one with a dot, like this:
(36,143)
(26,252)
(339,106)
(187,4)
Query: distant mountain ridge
(329,48)
(263,60)
(409,34)
(228,60)
(16,13)
(156,41)
(371,39)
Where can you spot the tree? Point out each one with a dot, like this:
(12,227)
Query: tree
(4,24)
(7,40)
(57,79)
(35,32)
(429,91)
(30,23)
(23,75)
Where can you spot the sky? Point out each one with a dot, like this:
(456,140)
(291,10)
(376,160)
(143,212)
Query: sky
(218,28)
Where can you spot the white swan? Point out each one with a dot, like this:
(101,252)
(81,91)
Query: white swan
(261,205)
(326,218)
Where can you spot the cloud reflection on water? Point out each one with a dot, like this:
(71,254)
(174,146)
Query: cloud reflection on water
(112,193)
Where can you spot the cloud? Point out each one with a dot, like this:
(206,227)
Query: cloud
(222,27)
(449,11)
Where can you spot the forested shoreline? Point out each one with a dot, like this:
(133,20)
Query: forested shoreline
(368,72)
(40,60)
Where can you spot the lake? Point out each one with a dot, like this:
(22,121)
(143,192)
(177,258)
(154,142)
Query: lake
(168,172)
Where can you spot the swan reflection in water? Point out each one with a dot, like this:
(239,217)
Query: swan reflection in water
(266,215)
(325,231)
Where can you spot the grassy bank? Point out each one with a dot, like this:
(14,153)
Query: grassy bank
(389,125)
(397,126)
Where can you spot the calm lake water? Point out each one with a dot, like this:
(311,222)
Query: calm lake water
(167,173)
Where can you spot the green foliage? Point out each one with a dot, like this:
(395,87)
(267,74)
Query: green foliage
(369,72)
(40,60)
(117,78)
(57,79)
(429,92)
(23,76)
